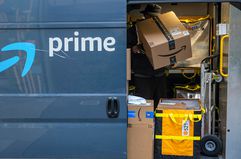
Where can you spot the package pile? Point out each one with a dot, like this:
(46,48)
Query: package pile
(173,129)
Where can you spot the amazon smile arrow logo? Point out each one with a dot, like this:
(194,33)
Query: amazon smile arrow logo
(28,48)
(167,55)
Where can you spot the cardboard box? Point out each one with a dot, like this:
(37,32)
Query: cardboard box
(166,41)
(140,132)
(128,64)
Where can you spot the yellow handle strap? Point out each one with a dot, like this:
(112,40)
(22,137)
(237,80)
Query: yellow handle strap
(161,115)
(221,55)
(203,110)
(194,20)
(172,116)
(197,87)
(163,137)
(192,117)
(191,77)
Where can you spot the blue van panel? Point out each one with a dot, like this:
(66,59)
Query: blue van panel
(63,140)
(44,11)
(58,109)
(61,127)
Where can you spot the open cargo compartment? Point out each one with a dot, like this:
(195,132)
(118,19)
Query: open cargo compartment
(184,72)
(184,79)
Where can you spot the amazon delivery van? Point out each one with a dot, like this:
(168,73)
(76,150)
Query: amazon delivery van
(63,86)
(62,62)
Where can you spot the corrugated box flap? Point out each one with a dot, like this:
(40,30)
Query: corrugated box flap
(141,114)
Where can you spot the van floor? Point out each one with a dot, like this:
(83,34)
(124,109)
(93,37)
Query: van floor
(205,157)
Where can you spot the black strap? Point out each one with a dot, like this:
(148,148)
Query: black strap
(167,34)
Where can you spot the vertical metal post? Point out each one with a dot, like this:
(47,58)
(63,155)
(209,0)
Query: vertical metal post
(213,108)
(233,139)
(203,92)
(206,99)
(209,103)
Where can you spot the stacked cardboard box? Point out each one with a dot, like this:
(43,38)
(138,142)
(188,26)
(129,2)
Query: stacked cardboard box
(140,133)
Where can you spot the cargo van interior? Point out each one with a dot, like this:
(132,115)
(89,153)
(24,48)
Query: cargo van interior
(184,74)
(189,78)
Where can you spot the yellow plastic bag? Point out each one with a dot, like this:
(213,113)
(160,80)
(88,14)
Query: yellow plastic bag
(178,133)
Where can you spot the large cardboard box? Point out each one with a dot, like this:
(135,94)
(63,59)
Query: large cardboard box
(140,132)
(165,40)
